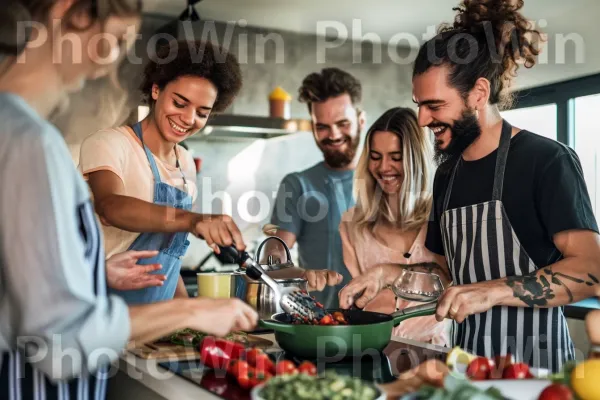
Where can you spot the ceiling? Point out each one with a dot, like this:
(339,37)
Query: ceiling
(386,18)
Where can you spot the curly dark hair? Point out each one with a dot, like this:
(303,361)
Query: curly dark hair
(487,40)
(194,58)
(330,82)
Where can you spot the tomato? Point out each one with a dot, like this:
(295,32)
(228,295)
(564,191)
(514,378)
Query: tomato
(516,371)
(326,320)
(243,378)
(238,367)
(285,367)
(307,368)
(556,391)
(480,369)
(258,377)
(260,360)
(500,364)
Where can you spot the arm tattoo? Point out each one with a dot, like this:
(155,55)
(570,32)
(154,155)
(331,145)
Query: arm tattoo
(536,290)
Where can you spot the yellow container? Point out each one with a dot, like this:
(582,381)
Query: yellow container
(215,284)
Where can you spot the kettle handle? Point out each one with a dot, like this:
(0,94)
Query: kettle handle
(287,249)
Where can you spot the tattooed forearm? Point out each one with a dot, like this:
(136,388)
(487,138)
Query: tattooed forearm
(535,289)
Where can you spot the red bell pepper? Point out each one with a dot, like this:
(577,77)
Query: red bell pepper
(218,353)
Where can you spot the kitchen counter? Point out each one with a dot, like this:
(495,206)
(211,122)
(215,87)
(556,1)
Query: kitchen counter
(137,378)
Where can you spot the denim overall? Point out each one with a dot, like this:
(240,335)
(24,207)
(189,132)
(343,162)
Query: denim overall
(172,246)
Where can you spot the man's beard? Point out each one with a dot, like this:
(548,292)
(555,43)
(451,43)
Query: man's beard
(340,159)
(463,132)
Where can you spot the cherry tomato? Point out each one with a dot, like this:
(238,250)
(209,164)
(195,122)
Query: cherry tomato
(556,391)
(308,368)
(326,320)
(480,369)
(285,367)
(243,378)
(516,371)
(238,367)
(500,364)
(257,377)
(260,360)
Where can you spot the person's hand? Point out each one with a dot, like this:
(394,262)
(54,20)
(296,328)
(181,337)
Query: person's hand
(222,316)
(218,230)
(318,279)
(458,302)
(362,289)
(123,273)
(430,372)
(592,327)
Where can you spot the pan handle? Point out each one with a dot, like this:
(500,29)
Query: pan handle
(416,311)
(277,326)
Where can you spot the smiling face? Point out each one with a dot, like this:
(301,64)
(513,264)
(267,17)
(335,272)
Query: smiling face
(385,161)
(443,110)
(337,126)
(183,107)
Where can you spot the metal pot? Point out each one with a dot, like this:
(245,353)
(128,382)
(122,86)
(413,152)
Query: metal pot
(260,296)
(256,293)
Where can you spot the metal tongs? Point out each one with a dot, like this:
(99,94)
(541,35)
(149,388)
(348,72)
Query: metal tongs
(293,301)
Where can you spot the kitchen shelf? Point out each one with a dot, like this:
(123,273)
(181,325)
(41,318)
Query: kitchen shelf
(227,127)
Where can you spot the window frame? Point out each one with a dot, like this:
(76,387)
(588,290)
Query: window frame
(562,94)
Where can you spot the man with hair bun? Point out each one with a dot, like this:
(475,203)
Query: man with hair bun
(512,218)
(512,215)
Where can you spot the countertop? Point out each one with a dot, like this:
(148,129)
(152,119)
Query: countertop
(139,378)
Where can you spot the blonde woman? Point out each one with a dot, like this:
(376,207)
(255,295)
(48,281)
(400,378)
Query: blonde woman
(388,225)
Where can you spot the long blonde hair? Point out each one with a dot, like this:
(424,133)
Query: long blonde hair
(372,204)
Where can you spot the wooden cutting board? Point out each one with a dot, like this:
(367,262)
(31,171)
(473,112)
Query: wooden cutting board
(172,352)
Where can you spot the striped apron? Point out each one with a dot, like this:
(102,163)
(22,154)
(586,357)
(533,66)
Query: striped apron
(480,245)
(19,380)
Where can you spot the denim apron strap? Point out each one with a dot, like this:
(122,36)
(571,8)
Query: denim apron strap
(171,245)
(137,128)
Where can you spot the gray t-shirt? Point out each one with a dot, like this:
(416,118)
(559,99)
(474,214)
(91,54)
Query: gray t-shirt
(310,205)
(52,272)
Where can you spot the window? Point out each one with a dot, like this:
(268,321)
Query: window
(587,144)
(539,119)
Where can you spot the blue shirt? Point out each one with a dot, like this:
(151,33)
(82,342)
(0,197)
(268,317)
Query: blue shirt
(51,253)
(310,205)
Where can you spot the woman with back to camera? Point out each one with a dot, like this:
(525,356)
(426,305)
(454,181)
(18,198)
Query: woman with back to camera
(52,272)
(387,227)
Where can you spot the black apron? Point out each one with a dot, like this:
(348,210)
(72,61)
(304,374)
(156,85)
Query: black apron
(480,245)
(19,380)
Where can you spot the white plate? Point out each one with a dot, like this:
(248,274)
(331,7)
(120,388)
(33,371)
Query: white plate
(516,389)
(254,393)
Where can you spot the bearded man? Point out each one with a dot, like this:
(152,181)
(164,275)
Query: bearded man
(310,203)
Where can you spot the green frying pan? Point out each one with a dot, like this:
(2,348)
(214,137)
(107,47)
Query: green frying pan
(366,332)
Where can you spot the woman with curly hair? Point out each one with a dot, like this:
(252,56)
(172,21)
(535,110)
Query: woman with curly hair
(143,181)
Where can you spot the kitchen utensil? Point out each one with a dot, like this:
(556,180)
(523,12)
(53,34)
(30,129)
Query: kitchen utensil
(291,300)
(273,262)
(215,285)
(259,295)
(366,331)
(418,286)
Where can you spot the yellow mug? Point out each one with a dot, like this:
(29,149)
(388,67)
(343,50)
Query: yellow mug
(214,284)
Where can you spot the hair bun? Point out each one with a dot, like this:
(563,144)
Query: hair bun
(13,36)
